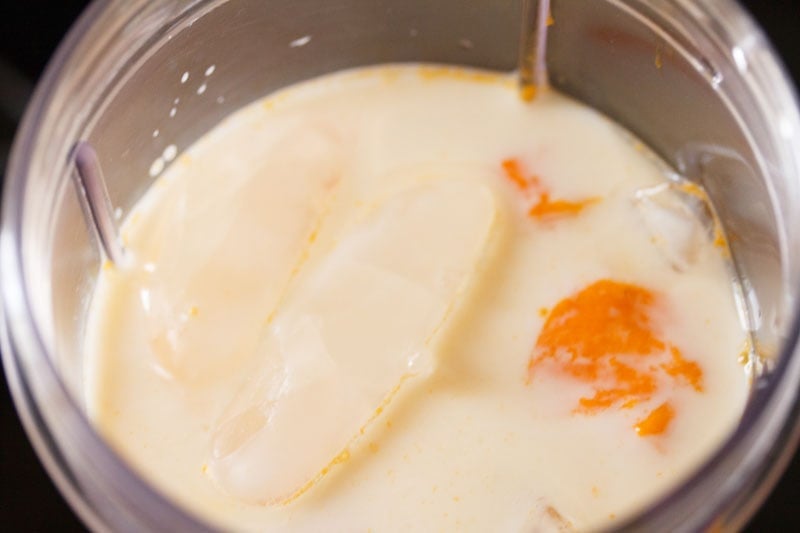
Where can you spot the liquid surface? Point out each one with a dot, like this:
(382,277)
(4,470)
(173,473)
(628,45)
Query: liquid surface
(400,297)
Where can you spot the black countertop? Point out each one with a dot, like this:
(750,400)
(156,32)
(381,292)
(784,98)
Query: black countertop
(29,32)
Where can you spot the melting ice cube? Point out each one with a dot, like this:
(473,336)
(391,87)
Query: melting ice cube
(215,273)
(359,326)
(679,218)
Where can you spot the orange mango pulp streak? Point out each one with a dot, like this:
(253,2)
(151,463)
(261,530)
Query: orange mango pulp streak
(603,336)
(545,207)
(515,175)
(656,422)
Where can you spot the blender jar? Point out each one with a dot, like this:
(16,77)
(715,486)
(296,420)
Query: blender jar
(695,80)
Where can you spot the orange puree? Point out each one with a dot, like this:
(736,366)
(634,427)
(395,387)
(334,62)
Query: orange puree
(514,173)
(657,421)
(545,207)
(604,336)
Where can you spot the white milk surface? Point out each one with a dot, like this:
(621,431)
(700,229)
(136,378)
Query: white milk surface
(402,298)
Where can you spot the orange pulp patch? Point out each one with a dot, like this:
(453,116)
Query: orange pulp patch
(656,422)
(604,336)
(528,93)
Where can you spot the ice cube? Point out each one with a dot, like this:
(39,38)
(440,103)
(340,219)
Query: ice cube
(357,328)
(213,274)
(679,218)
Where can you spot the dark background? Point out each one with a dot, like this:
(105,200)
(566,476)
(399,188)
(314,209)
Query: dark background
(29,32)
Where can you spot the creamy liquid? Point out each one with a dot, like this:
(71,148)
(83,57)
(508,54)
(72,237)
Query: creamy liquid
(355,305)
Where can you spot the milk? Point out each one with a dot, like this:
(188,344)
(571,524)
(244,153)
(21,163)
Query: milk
(346,312)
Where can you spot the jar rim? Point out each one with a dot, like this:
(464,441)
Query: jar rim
(751,446)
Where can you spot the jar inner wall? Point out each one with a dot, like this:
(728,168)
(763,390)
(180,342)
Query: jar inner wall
(667,74)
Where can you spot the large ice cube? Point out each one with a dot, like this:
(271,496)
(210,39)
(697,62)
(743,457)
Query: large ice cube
(358,326)
(211,275)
